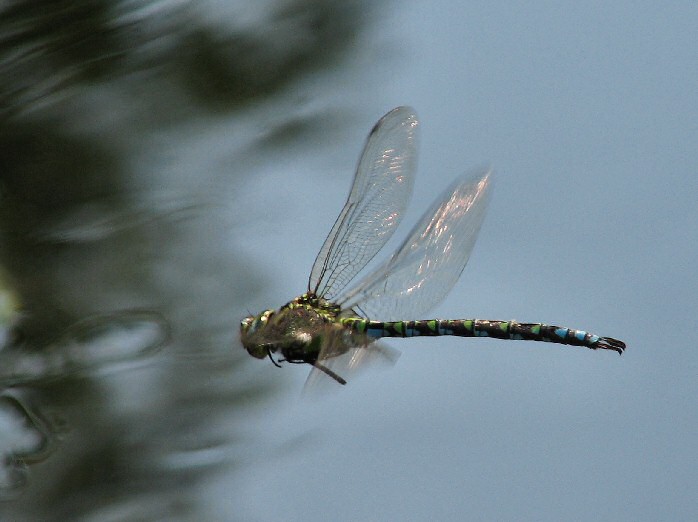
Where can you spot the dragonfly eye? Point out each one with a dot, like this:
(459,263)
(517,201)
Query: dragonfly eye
(246,323)
(252,323)
(247,327)
(258,351)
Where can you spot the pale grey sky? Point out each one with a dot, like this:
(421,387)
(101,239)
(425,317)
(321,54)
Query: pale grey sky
(587,112)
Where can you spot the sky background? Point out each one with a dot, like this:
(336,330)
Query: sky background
(218,141)
(588,114)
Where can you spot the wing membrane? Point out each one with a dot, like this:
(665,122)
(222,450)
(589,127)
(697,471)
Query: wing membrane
(348,365)
(427,265)
(379,195)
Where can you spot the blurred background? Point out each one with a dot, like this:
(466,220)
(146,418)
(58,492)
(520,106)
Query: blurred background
(168,167)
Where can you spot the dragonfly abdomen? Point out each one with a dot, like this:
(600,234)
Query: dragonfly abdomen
(378,329)
(485,328)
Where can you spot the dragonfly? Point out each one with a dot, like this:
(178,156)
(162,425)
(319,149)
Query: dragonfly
(335,318)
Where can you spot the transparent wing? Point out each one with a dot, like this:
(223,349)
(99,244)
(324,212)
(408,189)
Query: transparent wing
(378,198)
(348,366)
(427,265)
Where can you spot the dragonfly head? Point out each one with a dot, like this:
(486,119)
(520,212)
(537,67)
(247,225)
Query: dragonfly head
(250,328)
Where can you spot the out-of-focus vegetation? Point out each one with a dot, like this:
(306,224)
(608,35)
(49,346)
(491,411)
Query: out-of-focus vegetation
(89,88)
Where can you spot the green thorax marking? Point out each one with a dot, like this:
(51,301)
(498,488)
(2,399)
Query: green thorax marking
(309,301)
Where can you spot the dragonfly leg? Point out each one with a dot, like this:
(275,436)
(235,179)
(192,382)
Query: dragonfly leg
(272,359)
(329,372)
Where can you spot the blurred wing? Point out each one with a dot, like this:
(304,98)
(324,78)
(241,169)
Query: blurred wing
(348,365)
(427,265)
(378,198)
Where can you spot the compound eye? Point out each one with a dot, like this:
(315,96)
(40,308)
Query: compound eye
(246,322)
(257,351)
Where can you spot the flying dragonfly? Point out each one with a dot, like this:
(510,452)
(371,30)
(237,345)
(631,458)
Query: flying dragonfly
(334,319)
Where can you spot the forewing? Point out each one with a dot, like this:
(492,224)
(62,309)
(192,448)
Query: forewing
(427,265)
(378,198)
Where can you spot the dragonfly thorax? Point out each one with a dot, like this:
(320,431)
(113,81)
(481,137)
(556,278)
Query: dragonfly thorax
(296,330)
(314,303)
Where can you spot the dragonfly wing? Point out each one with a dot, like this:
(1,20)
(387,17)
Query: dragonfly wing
(427,265)
(348,365)
(378,198)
